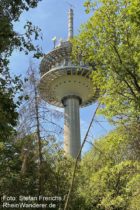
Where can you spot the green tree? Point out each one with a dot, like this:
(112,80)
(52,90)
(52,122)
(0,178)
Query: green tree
(109,178)
(10,12)
(8,106)
(19,164)
(110,43)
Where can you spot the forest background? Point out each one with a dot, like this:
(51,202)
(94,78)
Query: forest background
(32,160)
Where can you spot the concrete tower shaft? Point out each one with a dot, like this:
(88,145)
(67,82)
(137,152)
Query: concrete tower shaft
(72,137)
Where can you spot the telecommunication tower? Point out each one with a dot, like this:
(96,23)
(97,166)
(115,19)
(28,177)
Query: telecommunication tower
(68,85)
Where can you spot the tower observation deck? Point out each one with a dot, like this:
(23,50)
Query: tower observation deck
(68,85)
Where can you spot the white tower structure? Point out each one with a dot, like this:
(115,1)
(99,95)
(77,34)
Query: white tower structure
(68,85)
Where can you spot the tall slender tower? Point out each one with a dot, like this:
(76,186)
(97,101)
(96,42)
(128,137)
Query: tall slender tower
(68,85)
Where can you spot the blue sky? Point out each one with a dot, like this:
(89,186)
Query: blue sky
(51,17)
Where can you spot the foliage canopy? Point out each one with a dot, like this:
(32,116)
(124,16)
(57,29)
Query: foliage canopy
(110,43)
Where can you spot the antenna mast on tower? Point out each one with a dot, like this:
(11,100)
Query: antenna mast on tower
(70,20)
(70,24)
